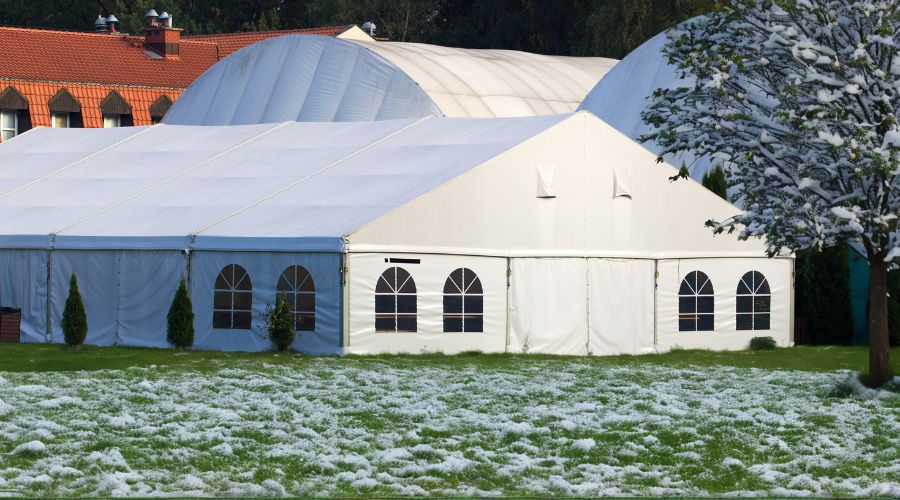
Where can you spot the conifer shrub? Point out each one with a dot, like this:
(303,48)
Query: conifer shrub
(762,344)
(180,328)
(280,323)
(714,180)
(74,319)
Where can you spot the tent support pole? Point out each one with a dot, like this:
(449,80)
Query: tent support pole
(655,304)
(508,310)
(344,340)
(49,330)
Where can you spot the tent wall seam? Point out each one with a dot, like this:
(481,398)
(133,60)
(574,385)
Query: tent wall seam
(307,177)
(70,165)
(169,179)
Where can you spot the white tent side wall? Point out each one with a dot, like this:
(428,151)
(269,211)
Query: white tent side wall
(264,270)
(23,285)
(430,274)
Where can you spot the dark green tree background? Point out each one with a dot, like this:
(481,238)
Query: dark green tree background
(609,28)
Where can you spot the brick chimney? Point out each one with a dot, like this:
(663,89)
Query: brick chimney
(161,37)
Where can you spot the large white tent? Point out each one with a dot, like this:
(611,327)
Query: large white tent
(315,78)
(548,234)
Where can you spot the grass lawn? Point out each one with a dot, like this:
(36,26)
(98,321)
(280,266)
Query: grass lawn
(118,421)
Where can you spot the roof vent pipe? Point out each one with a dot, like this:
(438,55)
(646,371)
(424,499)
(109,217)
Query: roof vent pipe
(151,16)
(111,23)
(165,20)
(369,27)
(100,25)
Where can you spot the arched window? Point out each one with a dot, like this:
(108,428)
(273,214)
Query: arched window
(754,301)
(233,299)
(696,305)
(463,302)
(298,284)
(395,302)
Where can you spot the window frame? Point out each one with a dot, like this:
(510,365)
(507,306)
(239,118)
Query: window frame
(703,320)
(760,302)
(117,118)
(67,115)
(232,291)
(397,309)
(295,292)
(15,118)
(463,290)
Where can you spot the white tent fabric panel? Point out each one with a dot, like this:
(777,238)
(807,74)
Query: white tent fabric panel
(23,285)
(430,275)
(621,306)
(493,83)
(548,306)
(725,274)
(625,92)
(302,78)
(264,269)
(98,283)
(147,284)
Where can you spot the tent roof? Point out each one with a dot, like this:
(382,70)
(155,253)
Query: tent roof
(623,94)
(309,78)
(289,186)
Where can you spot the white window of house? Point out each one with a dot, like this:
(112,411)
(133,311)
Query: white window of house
(9,125)
(59,120)
(112,121)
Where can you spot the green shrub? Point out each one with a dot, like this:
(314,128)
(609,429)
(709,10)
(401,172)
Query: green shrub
(280,324)
(74,319)
(823,295)
(714,180)
(180,329)
(762,343)
(893,286)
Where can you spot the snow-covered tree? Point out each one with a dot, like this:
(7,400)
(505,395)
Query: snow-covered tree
(801,98)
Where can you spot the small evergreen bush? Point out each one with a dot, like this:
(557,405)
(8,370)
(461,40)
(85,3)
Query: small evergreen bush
(74,319)
(280,324)
(180,329)
(714,180)
(762,343)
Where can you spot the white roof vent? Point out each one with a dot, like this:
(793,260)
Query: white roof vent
(621,183)
(545,176)
(369,27)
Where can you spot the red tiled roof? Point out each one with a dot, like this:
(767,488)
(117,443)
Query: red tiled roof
(231,42)
(96,58)
(38,95)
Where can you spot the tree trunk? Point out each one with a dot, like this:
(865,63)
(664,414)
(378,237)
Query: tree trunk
(879,346)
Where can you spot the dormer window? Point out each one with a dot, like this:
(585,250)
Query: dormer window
(116,111)
(65,110)
(9,124)
(14,117)
(158,109)
(60,120)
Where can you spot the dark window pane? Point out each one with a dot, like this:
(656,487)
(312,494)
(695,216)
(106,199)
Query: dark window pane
(763,288)
(222,300)
(705,304)
(474,323)
(241,279)
(452,304)
(284,285)
(385,283)
(761,303)
(474,304)
(406,304)
(243,301)
(221,319)
(761,322)
(242,320)
(305,322)
(705,284)
(705,323)
(453,324)
(743,288)
(744,321)
(305,280)
(687,324)
(744,304)
(406,284)
(385,323)
(384,304)
(685,288)
(222,283)
(406,323)
(306,302)
(450,286)
(687,305)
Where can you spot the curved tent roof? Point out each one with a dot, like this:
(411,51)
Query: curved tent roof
(621,96)
(307,78)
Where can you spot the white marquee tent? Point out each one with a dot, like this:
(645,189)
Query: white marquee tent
(548,234)
(315,78)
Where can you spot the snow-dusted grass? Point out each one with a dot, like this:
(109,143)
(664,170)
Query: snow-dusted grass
(513,425)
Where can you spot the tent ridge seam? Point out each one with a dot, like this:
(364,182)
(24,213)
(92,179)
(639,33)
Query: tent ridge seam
(317,172)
